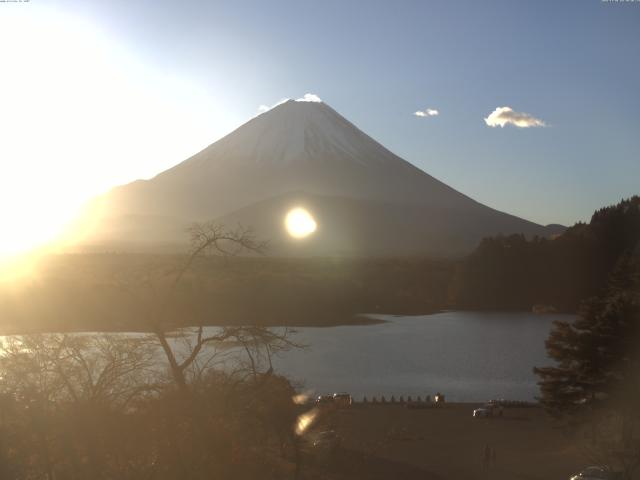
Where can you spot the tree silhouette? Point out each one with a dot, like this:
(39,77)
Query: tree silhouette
(515,273)
(595,382)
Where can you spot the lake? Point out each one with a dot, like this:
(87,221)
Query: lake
(468,356)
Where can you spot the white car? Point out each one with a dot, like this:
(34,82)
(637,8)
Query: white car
(483,412)
(596,473)
(491,409)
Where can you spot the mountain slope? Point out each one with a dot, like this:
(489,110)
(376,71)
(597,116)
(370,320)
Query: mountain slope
(306,148)
(356,227)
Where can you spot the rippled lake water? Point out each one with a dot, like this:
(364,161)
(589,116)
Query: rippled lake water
(468,356)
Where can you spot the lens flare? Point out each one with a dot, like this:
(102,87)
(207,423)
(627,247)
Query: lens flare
(305,421)
(300,223)
(300,399)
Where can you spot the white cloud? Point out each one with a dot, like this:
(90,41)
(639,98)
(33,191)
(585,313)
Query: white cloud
(502,116)
(427,112)
(310,97)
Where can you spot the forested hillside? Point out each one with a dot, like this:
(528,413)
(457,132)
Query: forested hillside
(511,272)
(115,291)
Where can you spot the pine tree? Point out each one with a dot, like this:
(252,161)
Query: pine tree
(596,355)
(596,380)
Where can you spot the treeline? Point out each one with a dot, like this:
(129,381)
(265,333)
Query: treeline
(593,386)
(104,291)
(513,273)
(113,291)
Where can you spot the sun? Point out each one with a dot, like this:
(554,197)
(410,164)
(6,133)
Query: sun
(81,112)
(300,223)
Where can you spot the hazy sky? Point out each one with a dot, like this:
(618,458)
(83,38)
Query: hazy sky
(98,93)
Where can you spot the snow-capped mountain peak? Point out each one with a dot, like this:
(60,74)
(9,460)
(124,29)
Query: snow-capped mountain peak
(302,130)
(366,199)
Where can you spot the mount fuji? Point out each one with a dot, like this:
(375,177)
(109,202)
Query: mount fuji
(366,200)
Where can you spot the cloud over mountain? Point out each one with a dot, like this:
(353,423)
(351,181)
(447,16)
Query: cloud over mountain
(309,97)
(502,116)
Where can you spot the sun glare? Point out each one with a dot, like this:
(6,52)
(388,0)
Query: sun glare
(300,223)
(79,115)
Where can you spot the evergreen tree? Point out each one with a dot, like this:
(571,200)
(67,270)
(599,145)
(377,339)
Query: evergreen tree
(597,354)
(515,273)
(596,380)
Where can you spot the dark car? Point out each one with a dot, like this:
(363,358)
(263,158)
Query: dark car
(597,473)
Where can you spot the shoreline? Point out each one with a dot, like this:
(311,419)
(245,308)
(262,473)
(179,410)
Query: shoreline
(360,319)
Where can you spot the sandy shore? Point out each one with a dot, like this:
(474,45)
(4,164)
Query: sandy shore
(390,441)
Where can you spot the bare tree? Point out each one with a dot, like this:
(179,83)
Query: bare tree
(61,389)
(261,344)
(190,351)
(97,406)
(208,237)
(106,368)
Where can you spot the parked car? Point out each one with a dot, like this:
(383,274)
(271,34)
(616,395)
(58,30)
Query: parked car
(597,473)
(335,400)
(483,412)
(325,401)
(342,400)
(488,410)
